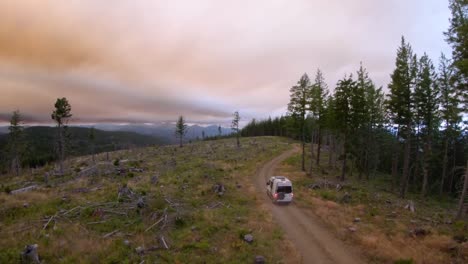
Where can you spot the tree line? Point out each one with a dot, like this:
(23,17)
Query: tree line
(414,132)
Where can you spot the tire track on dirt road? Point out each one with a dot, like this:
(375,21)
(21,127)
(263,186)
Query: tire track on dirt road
(312,239)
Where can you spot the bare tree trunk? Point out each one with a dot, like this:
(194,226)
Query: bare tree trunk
(426,168)
(424,185)
(330,150)
(61,148)
(406,162)
(343,169)
(311,153)
(395,159)
(303,145)
(452,175)
(444,167)
(462,203)
(16,165)
(319,144)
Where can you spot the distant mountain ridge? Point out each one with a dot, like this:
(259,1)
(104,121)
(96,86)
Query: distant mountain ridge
(166,132)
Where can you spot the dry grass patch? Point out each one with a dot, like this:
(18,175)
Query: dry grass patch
(383,229)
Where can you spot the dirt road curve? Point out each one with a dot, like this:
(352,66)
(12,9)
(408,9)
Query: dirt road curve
(315,243)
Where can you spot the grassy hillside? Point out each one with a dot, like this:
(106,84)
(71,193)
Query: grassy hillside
(41,146)
(368,214)
(159,204)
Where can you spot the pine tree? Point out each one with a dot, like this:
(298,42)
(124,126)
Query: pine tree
(360,116)
(426,105)
(297,108)
(61,116)
(235,126)
(457,37)
(400,106)
(372,118)
(343,113)
(181,130)
(16,141)
(450,112)
(318,98)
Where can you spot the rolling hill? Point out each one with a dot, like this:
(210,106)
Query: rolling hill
(40,142)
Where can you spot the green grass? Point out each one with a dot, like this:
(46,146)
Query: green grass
(195,232)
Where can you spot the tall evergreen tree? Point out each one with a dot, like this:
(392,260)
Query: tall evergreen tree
(426,105)
(16,141)
(450,112)
(457,37)
(235,126)
(361,118)
(318,99)
(297,108)
(181,130)
(371,118)
(400,106)
(61,116)
(343,113)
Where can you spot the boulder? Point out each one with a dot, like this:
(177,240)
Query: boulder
(259,260)
(30,255)
(249,238)
(140,250)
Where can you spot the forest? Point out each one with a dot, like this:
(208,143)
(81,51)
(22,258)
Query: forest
(414,130)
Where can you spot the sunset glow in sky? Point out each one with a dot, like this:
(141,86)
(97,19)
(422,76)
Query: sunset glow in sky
(148,61)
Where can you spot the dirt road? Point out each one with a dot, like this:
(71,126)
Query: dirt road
(308,234)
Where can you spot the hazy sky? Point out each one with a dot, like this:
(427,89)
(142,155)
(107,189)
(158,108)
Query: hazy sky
(147,61)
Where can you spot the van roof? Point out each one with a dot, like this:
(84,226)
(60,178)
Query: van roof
(282,179)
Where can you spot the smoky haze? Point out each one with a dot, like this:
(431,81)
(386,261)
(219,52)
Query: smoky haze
(147,61)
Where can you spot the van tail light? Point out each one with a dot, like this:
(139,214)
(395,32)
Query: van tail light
(292,194)
(275,196)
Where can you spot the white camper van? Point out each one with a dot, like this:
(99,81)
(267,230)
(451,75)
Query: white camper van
(280,189)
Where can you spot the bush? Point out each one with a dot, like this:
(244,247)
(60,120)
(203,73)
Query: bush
(116,162)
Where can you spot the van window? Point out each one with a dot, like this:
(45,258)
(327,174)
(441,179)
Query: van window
(284,189)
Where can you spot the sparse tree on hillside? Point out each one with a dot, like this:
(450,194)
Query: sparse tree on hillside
(16,141)
(61,116)
(92,143)
(318,99)
(203,134)
(235,126)
(219,131)
(181,130)
(297,108)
